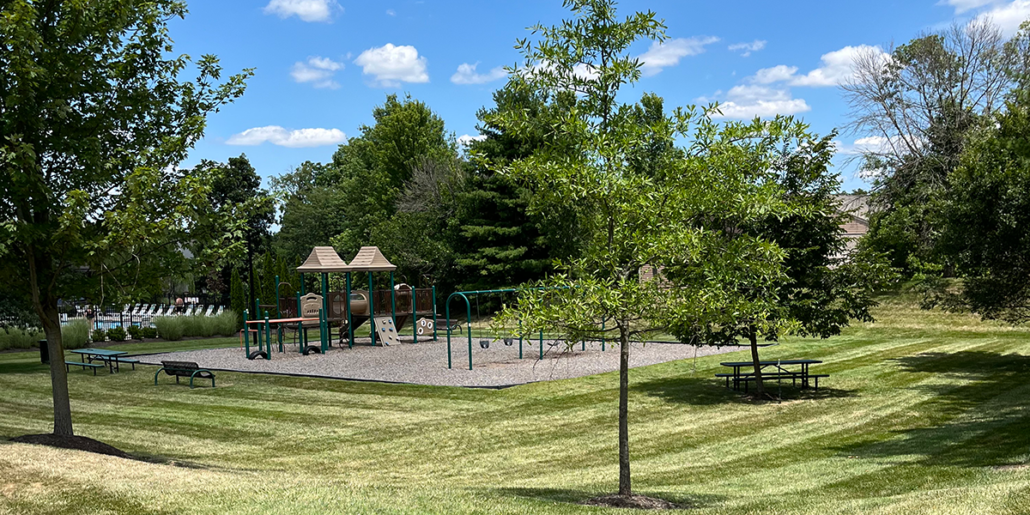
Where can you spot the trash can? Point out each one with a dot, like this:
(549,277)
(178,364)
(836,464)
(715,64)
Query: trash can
(44,352)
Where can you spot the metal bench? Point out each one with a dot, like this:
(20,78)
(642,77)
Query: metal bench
(184,369)
(94,366)
(448,323)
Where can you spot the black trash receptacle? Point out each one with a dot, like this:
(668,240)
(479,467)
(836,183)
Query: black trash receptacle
(44,352)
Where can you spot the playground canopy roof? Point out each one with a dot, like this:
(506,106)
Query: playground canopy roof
(323,260)
(369,259)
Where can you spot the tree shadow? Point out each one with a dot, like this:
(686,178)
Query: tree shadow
(30,367)
(578,496)
(978,422)
(707,391)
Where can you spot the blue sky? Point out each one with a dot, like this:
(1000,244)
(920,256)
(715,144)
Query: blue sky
(323,65)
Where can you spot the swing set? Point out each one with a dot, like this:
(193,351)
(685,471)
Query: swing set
(485,344)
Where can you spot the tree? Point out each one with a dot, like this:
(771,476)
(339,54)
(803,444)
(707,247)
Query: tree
(679,212)
(986,218)
(94,117)
(917,103)
(498,243)
(371,170)
(312,210)
(236,189)
(825,286)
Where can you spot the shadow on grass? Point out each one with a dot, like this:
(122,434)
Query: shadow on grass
(992,430)
(704,391)
(23,367)
(578,496)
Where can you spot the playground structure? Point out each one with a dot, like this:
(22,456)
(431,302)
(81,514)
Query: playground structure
(508,341)
(387,311)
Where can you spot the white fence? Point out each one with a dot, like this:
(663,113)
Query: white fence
(142,316)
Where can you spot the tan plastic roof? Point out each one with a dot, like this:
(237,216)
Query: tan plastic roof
(369,259)
(323,260)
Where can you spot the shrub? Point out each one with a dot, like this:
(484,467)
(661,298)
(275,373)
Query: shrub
(18,338)
(227,323)
(150,332)
(99,335)
(116,334)
(169,328)
(135,332)
(75,334)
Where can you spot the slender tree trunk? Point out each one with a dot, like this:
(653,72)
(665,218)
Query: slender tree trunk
(624,477)
(45,305)
(759,386)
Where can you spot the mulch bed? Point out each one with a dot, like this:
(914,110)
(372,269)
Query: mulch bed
(72,442)
(639,502)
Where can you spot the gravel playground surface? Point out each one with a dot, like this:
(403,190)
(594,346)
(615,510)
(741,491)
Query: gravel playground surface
(426,362)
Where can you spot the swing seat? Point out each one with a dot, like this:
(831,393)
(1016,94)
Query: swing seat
(508,342)
(257,354)
(484,344)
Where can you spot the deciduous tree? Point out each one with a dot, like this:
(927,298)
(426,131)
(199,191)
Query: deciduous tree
(94,114)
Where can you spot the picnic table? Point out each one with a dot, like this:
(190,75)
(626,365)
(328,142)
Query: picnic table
(109,357)
(793,369)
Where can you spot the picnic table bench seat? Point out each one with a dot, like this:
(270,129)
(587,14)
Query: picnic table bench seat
(127,360)
(185,369)
(84,365)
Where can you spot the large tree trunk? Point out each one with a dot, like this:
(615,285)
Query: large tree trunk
(759,386)
(45,304)
(624,478)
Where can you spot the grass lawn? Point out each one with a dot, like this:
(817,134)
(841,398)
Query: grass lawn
(923,413)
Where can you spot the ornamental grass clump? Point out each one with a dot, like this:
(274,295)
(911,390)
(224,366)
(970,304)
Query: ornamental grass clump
(75,334)
(170,328)
(18,338)
(226,323)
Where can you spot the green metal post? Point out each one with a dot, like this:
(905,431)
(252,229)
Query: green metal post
(393,300)
(300,327)
(468,328)
(246,334)
(541,344)
(324,340)
(350,318)
(371,310)
(434,314)
(268,336)
(602,335)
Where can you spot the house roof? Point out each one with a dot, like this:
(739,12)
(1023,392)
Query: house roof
(855,205)
(370,259)
(323,260)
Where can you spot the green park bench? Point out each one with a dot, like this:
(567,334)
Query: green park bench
(184,369)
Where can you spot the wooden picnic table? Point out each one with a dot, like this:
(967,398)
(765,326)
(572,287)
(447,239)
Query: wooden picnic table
(778,370)
(109,357)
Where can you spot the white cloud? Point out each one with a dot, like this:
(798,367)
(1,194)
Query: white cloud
(391,65)
(1008,17)
(749,101)
(775,74)
(307,10)
(753,46)
(317,70)
(391,12)
(466,74)
(962,6)
(838,67)
(466,140)
(277,135)
(668,53)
